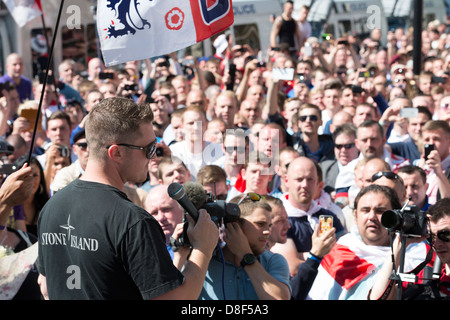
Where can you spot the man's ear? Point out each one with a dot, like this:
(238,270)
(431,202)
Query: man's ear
(320,185)
(114,153)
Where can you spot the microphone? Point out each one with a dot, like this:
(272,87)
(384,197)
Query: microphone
(176,192)
(196,193)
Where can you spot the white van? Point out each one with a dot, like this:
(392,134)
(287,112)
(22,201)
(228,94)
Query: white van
(251,25)
(339,17)
(76,37)
(399,13)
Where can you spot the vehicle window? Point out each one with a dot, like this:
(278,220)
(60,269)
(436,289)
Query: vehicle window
(39,49)
(247,34)
(73,44)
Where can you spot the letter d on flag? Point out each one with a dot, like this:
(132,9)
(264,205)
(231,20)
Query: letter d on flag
(135,30)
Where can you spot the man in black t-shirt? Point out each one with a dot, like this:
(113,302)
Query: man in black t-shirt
(94,243)
(285,30)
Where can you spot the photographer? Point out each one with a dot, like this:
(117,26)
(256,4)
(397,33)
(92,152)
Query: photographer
(349,270)
(250,271)
(437,134)
(57,148)
(439,223)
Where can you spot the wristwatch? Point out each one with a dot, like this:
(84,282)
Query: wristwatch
(248,259)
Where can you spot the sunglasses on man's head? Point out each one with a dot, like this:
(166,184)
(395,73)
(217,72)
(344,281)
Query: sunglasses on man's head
(312,118)
(387,174)
(253,196)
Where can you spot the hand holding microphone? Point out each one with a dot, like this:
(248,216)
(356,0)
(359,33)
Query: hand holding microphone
(204,234)
(177,192)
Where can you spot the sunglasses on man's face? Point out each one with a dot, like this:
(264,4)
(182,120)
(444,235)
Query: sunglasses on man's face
(230,150)
(443,235)
(312,118)
(345,146)
(82,145)
(149,150)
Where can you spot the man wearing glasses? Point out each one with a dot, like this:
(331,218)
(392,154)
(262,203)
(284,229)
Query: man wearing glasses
(439,223)
(308,142)
(370,141)
(68,174)
(345,151)
(349,270)
(95,243)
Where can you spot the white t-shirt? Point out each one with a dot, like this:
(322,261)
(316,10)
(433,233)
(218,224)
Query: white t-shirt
(195,161)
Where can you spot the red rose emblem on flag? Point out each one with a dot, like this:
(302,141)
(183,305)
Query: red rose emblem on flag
(174,19)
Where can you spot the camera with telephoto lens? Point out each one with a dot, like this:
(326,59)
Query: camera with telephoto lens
(410,221)
(220,211)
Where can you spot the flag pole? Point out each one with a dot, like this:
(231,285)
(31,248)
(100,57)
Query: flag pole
(97,41)
(44,32)
(45,80)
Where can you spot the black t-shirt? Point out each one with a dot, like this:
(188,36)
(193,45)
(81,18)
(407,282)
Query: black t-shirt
(287,32)
(94,243)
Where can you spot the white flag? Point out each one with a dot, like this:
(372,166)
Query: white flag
(135,30)
(23,10)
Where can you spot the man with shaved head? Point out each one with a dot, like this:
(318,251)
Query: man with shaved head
(303,212)
(165,210)
(14,75)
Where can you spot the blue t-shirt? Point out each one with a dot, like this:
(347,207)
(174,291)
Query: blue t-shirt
(235,281)
(25,88)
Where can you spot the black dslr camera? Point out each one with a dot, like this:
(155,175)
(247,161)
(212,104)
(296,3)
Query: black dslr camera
(409,221)
(220,211)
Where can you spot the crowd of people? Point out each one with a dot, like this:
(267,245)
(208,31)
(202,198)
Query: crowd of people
(348,137)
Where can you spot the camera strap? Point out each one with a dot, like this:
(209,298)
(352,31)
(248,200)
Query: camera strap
(422,265)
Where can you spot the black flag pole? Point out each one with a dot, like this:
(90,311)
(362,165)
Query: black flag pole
(44,33)
(50,55)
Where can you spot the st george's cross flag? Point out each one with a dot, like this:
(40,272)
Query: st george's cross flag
(23,10)
(350,269)
(140,29)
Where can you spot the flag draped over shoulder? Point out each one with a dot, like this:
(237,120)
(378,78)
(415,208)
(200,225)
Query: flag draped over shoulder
(135,30)
(350,269)
(24,10)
